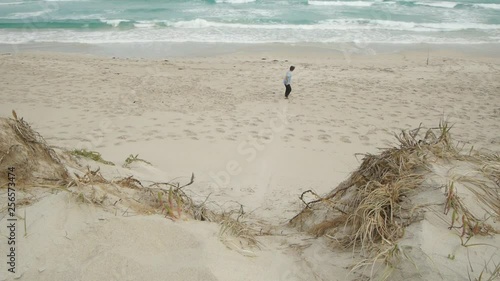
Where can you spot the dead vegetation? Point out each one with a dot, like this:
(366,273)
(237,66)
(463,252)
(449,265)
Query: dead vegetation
(38,165)
(22,148)
(372,207)
(166,198)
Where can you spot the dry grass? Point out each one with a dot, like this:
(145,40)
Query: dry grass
(166,198)
(24,149)
(236,228)
(372,206)
(171,200)
(129,182)
(37,163)
(91,177)
(371,209)
(462,219)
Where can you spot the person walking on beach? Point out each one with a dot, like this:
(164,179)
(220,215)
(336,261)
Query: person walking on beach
(288,81)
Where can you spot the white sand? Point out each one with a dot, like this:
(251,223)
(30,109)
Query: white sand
(225,120)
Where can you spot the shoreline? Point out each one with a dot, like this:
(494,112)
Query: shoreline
(160,50)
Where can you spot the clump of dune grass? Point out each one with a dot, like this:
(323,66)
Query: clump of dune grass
(462,219)
(92,155)
(245,236)
(372,207)
(392,256)
(489,274)
(171,199)
(134,158)
(91,177)
(129,182)
(25,150)
(232,225)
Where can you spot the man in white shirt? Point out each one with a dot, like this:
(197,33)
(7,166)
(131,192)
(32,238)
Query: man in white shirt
(288,81)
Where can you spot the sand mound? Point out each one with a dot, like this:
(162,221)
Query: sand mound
(427,174)
(25,150)
(130,197)
(113,227)
(36,164)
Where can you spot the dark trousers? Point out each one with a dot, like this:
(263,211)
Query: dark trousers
(288,90)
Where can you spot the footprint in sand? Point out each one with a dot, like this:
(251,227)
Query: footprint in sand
(220,130)
(152,132)
(306,138)
(345,139)
(495,140)
(247,189)
(324,137)
(363,138)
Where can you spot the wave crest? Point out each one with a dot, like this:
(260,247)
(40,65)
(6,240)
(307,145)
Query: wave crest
(235,1)
(341,3)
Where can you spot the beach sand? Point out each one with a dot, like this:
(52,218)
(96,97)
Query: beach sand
(224,118)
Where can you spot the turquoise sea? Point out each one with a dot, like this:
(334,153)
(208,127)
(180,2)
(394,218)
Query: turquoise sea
(250,21)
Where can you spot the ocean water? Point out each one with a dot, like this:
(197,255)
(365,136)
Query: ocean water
(250,21)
